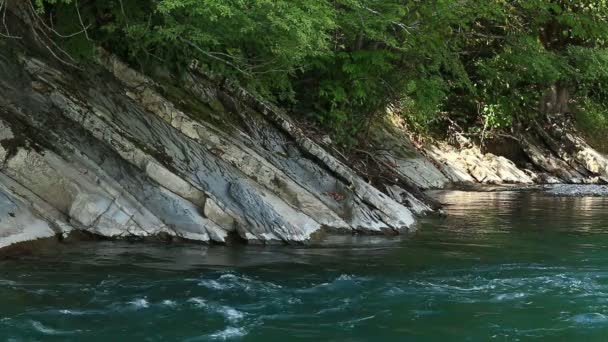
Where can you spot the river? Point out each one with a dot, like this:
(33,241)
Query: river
(502,266)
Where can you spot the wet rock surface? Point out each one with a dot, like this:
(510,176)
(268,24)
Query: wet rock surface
(576,190)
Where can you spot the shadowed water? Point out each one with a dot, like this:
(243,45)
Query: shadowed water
(505,266)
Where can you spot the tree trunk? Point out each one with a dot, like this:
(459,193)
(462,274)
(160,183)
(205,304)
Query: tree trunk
(554,103)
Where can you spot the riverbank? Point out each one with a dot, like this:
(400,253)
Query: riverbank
(113,153)
(103,150)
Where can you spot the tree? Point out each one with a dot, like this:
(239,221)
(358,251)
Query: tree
(341,62)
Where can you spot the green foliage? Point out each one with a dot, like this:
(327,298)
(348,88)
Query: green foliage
(513,51)
(592,121)
(260,43)
(478,63)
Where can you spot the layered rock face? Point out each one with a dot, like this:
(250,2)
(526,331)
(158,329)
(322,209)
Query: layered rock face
(108,151)
(553,156)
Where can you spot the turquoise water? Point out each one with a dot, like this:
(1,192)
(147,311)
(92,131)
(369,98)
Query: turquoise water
(501,266)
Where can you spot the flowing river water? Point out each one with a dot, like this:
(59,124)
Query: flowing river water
(502,266)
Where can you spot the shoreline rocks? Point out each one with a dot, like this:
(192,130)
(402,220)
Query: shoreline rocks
(113,153)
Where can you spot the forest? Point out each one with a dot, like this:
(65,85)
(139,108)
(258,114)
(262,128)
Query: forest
(484,68)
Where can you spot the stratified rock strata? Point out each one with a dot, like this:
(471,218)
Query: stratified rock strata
(111,152)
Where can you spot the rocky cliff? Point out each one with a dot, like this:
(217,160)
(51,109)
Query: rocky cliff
(108,151)
(104,150)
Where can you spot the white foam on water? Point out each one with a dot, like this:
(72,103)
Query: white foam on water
(448,287)
(233,276)
(590,318)
(72,312)
(228,333)
(214,285)
(231,314)
(345,277)
(509,296)
(394,291)
(339,282)
(337,306)
(50,331)
(294,300)
(349,278)
(231,281)
(200,302)
(168,302)
(140,303)
(351,323)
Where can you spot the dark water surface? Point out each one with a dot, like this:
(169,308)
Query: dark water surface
(503,266)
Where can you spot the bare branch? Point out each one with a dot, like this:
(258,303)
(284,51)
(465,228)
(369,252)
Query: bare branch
(3,8)
(213,56)
(84,29)
(45,39)
(43,22)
